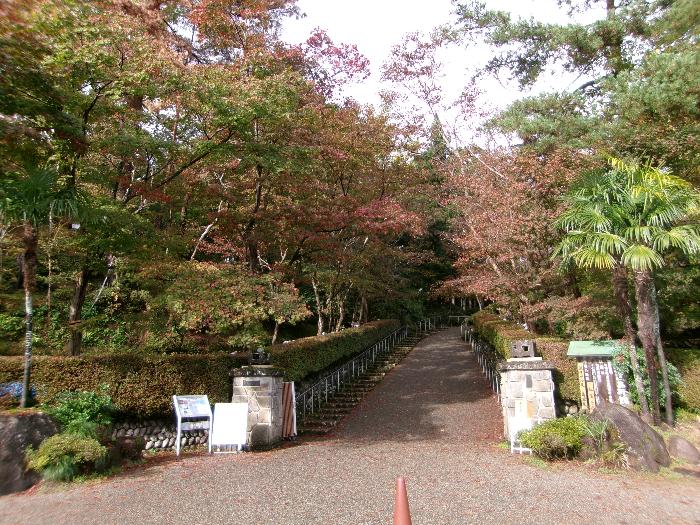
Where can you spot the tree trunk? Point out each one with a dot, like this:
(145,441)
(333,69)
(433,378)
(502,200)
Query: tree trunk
(364,313)
(75,310)
(319,330)
(341,314)
(645,322)
(668,405)
(624,309)
(30,241)
(275,332)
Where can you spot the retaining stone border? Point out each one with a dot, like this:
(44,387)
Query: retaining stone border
(159,435)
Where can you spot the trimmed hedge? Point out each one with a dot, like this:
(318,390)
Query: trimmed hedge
(139,385)
(142,385)
(566,374)
(500,334)
(497,332)
(310,355)
(687,360)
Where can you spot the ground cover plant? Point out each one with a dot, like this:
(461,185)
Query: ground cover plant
(84,419)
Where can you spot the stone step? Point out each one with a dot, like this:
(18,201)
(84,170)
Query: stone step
(333,412)
(359,389)
(348,398)
(342,402)
(314,430)
(321,421)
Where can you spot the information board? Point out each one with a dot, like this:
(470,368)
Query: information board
(192,413)
(193,406)
(230,426)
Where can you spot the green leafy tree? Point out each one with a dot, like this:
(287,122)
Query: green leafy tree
(638,68)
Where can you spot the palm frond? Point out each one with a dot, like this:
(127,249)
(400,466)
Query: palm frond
(685,238)
(641,257)
(589,257)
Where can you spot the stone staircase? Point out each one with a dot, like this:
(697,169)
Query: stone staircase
(336,408)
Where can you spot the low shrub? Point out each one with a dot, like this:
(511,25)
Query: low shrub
(687,360)
(82,412)
(565,374)
(310,355)
(556,438)
(63,456)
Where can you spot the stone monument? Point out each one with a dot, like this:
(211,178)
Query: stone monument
(527,389)
(261,387)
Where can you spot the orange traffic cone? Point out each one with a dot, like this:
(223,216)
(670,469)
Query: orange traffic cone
(402,515)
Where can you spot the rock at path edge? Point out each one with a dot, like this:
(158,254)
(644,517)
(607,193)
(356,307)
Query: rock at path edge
(683,449)
(646,449)
(17,432)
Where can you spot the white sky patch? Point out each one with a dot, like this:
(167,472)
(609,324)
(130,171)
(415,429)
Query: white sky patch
(375,26)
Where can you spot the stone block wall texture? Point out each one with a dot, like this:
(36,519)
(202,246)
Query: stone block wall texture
(527,393)
(159,434)
(264,397)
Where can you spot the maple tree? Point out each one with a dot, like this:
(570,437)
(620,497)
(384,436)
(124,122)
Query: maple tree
(199,138)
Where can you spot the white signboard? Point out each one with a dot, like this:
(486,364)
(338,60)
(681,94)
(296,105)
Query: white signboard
(192,413)
(230,425)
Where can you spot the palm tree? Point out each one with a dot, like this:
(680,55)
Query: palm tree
(636,213)
(661,212)
(31,199)
(589,216)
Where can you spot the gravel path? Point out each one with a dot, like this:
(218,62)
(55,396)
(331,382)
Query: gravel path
(432,420)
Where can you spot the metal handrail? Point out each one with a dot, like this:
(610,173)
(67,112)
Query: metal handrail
(429,323)
(486,356)
(310,399)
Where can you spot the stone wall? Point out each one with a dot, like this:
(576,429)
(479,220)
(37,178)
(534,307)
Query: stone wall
(160,435)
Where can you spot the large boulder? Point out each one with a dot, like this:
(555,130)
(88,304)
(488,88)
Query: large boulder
(646,449)
(17,432)
(683,449)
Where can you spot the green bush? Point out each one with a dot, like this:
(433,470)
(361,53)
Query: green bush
(623,365)
(687,360)
(11,325)
(139,385)
(310,355)
(500,334)
(556,438)
(82,412)
(63,456)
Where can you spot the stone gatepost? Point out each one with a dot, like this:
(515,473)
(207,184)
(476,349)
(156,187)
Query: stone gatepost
(527,390)
(261,387)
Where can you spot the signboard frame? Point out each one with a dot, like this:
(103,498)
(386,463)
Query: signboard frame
(193,412)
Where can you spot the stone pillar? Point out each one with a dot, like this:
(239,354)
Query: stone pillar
(527,390)
(261,387)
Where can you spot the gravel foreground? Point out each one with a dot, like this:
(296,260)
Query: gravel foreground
(433,420)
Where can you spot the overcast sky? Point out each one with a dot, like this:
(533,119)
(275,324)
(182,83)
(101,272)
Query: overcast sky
(374,26)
